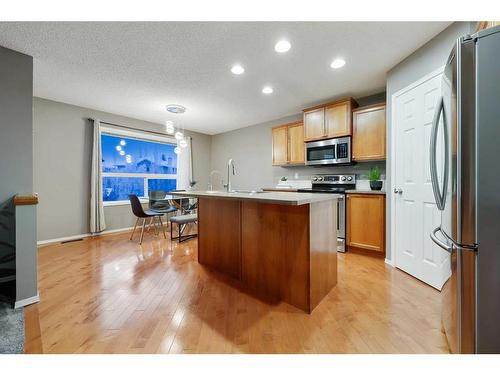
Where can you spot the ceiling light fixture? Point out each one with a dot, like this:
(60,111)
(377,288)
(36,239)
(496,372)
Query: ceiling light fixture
(179,135)
(169,127)
(183,143)
(176,108)
(337,63)
(122,142)
(267,90)
(122,152)
(237,69)
(118,148)
(282,46)
(177,150)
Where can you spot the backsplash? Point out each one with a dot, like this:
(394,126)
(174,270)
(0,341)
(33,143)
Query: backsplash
(361,171)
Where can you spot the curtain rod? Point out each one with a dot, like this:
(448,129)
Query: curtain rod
(129,127)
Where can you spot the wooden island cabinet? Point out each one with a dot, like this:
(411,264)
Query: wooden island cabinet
(278,245)
(366,223)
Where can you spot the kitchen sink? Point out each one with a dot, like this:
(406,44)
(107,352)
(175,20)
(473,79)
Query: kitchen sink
(248,191)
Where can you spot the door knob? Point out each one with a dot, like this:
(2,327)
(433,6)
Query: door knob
(398,191)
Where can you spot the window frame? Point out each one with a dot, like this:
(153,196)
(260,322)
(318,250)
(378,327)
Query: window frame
(142,136)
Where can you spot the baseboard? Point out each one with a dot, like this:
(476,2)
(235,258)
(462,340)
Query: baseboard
(81,236)
(62,239)
(27,301)
(389,262)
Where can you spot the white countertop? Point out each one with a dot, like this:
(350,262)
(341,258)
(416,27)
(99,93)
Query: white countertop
(361,191)
(276,197)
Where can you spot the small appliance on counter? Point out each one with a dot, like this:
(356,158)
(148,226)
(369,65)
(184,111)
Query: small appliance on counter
(334,184)
(294,184)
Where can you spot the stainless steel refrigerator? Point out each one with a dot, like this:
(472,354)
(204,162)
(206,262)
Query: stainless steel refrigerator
(465,173)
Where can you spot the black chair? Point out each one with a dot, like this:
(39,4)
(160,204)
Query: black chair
(158,203)
(141,214)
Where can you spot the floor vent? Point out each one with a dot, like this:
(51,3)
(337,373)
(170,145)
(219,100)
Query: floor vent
(75,240)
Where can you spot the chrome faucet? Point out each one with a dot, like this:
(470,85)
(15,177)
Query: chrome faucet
(230,168)
(210,183)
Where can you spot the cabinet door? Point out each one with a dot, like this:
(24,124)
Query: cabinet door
(296,143)
(314,124)
(280,145)
(338,119)
(366,222)
(368,141)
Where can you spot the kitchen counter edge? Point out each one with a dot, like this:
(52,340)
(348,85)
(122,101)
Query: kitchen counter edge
(272,197)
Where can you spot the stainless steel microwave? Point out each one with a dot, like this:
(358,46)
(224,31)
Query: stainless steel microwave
(329,151)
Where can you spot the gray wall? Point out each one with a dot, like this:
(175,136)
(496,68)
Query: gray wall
(16,160)
(62,149)
(251,149)
(423,61)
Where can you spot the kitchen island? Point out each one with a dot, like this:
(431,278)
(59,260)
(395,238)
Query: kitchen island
(277,244)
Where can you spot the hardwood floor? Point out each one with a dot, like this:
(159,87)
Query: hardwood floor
(111,295)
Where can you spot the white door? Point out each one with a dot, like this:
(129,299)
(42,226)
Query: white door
(415,211)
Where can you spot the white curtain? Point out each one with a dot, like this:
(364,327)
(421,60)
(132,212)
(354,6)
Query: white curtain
(97,222)
(185,166)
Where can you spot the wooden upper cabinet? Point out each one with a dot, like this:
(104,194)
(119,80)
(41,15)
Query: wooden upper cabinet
(296,143)
(368,140)
(338,118)
(314,124)
(288,144)
(329,120)
(366,222)
(280,145)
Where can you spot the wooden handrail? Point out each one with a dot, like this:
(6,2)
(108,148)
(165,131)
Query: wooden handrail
(25,200)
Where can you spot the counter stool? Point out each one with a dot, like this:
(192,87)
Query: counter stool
(182,221)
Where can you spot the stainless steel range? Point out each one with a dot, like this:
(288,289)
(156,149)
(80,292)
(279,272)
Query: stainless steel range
(335,184)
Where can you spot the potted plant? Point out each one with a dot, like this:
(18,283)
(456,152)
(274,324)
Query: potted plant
(374,177)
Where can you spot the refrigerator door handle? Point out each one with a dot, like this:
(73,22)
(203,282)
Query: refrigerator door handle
(438,195)
(441,244)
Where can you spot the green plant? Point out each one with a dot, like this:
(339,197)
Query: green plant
(284,178)
(374,174)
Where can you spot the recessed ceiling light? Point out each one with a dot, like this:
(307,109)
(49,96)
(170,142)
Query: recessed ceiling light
(282,46)
(176,108)
(337,63)
(267,90)
(237,69)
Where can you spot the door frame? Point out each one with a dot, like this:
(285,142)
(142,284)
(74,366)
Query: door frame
(392,151)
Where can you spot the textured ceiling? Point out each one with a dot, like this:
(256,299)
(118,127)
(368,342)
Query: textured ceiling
(135,69)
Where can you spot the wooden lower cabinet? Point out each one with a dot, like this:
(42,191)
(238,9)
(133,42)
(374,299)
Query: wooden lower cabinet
(366,222)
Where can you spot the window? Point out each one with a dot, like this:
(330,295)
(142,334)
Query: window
(133,165)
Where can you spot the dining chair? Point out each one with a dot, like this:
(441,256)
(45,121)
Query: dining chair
(158,203)
(139,213)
